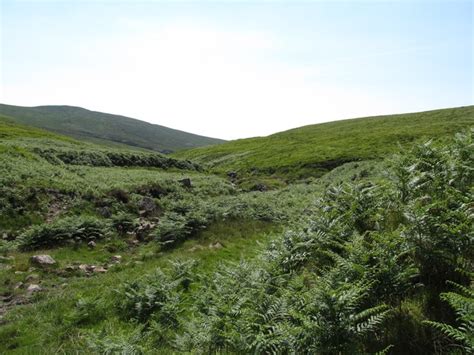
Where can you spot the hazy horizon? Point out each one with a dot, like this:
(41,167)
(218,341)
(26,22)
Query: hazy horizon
(238,69)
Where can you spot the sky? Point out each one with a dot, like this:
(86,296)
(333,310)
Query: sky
(236,69)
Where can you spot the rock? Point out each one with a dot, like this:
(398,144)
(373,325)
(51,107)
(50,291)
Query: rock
(86,268)
(146,206)
(32,277)
(196,248)
(259,187)
(70,268)
(19,285)
(92,244)
(42,260)
(5,236)
(186,182)
(215,245)
(19,272)
(116,258)
(100,269)
(232,175)
(135,242)
(33,288)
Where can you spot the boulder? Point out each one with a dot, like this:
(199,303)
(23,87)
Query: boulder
(42,260)
(92,244)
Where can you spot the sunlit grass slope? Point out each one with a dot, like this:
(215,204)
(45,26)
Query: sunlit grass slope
(315,149)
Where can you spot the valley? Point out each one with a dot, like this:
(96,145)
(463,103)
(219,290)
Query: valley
(352,236)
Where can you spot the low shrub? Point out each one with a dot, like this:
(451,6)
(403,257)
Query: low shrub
(64,230)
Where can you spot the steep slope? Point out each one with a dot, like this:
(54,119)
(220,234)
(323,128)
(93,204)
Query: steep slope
(314,149)
(105,128)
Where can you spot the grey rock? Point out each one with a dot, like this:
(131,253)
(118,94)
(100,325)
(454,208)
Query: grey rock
(92,244)
(146,206)
(34,288)
(42,260)
(116,258)
(100,269)
(86,268)
(215,245)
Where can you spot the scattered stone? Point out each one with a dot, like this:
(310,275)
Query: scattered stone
(34,288)
(215,245)
(86,268)
(146,206)
(19,272)
(19,285)
(92,244)
(31,269)
(70,268)
(100,269)
(143,228)
(186,182)
(135,242)
(32,278)
(42,260)
(116,259)
(5,236)
(196,248)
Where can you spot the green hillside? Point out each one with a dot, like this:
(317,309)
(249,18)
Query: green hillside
(105,128)
(107,250)
(315,149)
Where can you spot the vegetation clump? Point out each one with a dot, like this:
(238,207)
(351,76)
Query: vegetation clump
(65,230)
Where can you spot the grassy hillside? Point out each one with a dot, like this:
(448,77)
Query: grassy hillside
(313,150)
(154,255)
(105,128)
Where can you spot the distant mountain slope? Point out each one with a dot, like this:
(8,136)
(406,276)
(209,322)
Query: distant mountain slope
(103,127)
(314,149)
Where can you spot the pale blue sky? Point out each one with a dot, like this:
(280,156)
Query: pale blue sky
(234,69)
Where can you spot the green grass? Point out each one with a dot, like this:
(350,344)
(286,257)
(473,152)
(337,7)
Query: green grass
(273,229)
(313,150)
(104,128)
(42,327)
